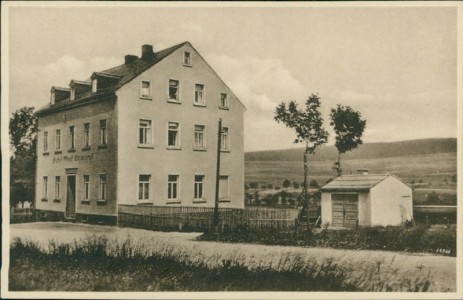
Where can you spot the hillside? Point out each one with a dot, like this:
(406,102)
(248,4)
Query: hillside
(365,151)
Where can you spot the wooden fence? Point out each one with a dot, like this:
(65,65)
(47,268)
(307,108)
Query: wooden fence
(184,218)
(22,215)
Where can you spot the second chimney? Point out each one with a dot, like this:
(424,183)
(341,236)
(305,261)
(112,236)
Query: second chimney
(147,51)
(130,58)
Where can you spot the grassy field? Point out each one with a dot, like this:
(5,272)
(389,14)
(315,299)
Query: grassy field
(363,270)
(436,171)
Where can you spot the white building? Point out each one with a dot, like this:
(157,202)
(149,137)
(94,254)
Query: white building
(369,200)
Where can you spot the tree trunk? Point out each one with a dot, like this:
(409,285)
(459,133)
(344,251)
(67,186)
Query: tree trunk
(339,164)
(306,196)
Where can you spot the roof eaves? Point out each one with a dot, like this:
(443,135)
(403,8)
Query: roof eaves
(71,104)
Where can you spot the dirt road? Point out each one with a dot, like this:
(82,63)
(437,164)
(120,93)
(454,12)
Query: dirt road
(391,265)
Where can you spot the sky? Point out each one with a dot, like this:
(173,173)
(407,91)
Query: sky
(397,66)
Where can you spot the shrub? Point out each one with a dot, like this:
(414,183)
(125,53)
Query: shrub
(313,183)
(295,185)
(433,197)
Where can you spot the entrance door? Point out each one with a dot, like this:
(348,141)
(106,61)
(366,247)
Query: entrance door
(345,210)
(71,197)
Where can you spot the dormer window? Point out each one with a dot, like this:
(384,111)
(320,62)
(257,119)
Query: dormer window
(94,85)
(73,93)
(186,58)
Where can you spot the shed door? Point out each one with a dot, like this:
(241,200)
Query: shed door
(345,210)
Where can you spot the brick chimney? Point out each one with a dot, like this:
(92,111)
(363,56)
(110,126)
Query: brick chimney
(130,58)
(147,51)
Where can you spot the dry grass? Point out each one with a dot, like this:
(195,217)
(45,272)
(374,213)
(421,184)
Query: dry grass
(98,263)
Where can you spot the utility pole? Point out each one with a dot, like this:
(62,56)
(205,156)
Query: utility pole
(217,179)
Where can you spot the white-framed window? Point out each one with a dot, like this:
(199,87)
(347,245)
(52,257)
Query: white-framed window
(58,140)
(224,100)
(145,89)
(172,187)
(223,187)
(144,132)
(173,134)
(86,135)
(174,88)
(73,137)
(45,187)
(57,187)
(94,85)
(186,58)
(45,141)
(103,132)
(73,93)
(199,137)
(144,182)
(224,139)
(103,187)
(200,98)
(199,186)
(86,187)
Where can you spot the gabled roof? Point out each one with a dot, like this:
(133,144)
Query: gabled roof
(354,182)
(123,74)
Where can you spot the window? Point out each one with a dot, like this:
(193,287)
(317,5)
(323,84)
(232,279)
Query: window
(86,190)
(94,85)
(52,97)
(45,141)
(223,187)
(86,135)
(103,137)
(57,187)
(45,187)
(223,100)
(103,186)
(145,89)
(73,93)
(173,90)
(199,94)
(224,139)
(186,58)
(199,137)
(58,140)
(199,186)
(144,187)
(173,139)
(172,187)
(73,137)
(144,132)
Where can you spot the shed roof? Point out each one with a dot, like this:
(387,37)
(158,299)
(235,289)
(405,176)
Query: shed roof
(354,182)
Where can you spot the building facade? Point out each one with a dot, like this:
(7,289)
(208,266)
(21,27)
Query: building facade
(142,133)
(366,200)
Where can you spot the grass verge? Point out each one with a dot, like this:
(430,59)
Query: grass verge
(99,264)
(418,238)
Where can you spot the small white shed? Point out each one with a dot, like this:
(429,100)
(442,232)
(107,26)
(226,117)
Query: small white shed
(370,200)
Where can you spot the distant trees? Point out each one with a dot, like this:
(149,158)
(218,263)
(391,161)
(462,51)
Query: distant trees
(433,198)
(23,143)
(295,185)
(314,184)
(286,183)
(308,125)
(348,126)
